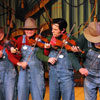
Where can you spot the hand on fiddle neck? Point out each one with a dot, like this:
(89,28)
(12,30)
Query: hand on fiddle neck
(47,45)
(76,49)
(13,50)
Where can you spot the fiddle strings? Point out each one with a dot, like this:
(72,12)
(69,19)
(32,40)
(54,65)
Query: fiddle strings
(38,37)
(35,44)
(65,41)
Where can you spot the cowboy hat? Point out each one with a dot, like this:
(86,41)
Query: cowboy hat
(1,33)
(92,32)
(30,24)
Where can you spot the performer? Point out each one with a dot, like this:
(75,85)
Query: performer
(61,68)
(31,78)
(1,54)
(7,70)
(90,43)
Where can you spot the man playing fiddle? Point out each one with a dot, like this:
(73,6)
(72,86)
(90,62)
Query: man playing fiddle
(61,67)
(31,78)
(8,73)
(89,41)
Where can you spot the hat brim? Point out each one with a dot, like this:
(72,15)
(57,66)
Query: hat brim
(89,37)
(28,28)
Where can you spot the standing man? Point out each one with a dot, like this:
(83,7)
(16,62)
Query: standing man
(90,43)
(61,82)
(8,72)
(31,78)
(1,55)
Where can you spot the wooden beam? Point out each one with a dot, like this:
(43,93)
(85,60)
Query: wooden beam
(36,8)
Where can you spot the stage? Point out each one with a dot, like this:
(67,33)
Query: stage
(79,93)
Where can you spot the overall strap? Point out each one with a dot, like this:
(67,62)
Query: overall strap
(89,44)
(24,39)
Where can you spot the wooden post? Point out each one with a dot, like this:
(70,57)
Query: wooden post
(95,16)
(22,3)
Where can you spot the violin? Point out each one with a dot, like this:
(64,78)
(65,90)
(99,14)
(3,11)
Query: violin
(38,40)
(67,43)
(11,43)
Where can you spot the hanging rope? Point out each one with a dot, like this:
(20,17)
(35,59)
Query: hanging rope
(7,36)
(48,23)
(47,13)
(42,13)
(87,20)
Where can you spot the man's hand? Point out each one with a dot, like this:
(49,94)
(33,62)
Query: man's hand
(22,64)
(13,50)
(47,45)
(75,48)
(52,60)
(83,71)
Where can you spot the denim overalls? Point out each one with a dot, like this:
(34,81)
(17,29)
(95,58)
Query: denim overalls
(61,77)
(8,76)
(32,78)
(92,81)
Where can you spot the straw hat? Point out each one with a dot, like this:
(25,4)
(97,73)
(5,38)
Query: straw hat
(30,24)
(1,33)
(92,32)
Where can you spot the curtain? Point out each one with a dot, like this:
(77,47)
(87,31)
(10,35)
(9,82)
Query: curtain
(7,9)
(73,11)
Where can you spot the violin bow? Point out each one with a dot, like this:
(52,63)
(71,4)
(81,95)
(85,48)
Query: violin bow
(38,37)
(65,41)
(35,44)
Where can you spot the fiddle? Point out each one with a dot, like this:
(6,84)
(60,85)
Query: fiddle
(9,44)
(38,40)
(67,43)
(66,39)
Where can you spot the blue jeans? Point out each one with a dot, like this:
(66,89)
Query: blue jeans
(61,77)
(1,93)
(91,86)
(61,85)
(31,81)
(1,85)
(7,82)
(32,78)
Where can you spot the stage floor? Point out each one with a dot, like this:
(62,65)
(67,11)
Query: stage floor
(79,94)
(79,91)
